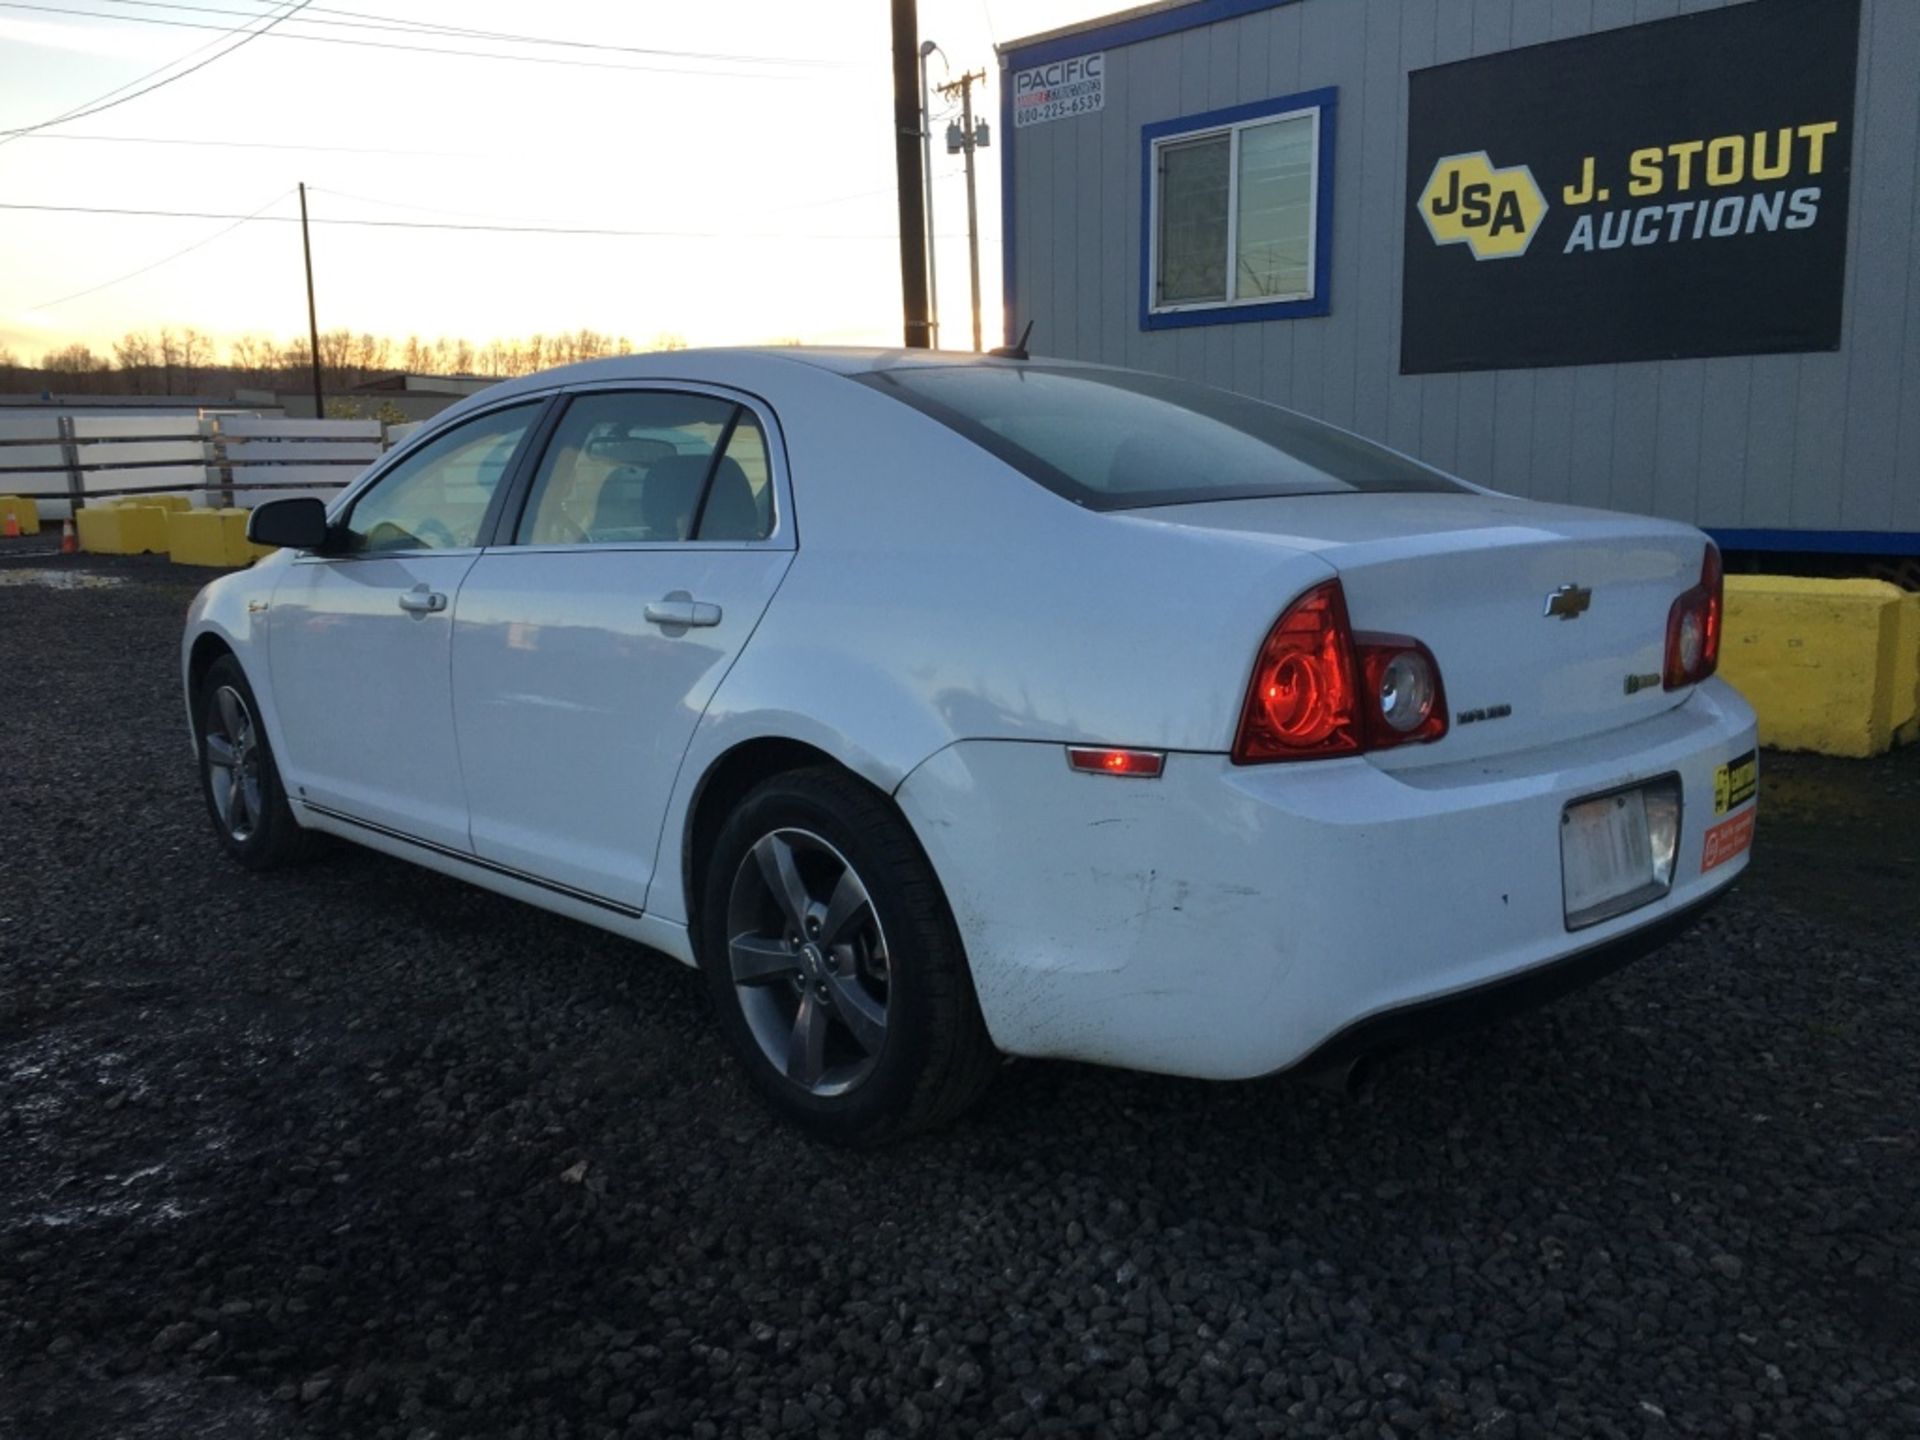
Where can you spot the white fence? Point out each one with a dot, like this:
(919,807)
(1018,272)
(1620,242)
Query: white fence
(62,461)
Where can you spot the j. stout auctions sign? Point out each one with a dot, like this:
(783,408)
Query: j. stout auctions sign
(1670,189)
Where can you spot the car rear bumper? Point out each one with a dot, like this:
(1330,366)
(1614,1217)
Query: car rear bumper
(1227,922)
(1426,1020)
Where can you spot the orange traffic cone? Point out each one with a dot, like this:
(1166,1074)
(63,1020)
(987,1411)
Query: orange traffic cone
(69,545)
(12,528)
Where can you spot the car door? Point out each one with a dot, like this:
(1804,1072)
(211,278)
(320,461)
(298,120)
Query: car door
(362,635)
(644,546)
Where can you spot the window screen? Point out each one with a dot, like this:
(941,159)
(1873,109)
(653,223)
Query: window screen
(1193,220)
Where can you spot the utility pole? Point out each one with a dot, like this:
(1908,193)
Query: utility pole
(967,137)
(908,176)
(313,322)
(927,50)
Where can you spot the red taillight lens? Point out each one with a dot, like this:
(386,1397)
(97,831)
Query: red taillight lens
(1693,627)
(1301,703)
(1320,690)
(1405,704)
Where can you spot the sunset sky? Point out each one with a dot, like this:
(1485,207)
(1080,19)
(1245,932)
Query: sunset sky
(763,169)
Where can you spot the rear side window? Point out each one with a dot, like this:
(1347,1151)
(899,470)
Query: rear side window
(647,467)
(1121,440)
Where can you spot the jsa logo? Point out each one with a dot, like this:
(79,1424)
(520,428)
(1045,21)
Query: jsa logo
(1493,212)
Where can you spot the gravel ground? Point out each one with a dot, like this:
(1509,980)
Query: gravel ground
(357,1150)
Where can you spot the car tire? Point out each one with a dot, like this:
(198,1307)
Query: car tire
(238,776)
(860,1024)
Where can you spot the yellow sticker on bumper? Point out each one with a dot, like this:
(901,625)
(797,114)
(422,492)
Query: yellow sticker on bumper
(1735,782)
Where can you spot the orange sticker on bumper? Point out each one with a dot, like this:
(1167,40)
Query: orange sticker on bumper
(1728,839)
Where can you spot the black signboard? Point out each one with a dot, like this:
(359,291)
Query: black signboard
(1671,189)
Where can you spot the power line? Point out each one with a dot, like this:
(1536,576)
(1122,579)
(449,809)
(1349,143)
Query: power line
(261,145)
(138,79)
(362,20)
(421,209)
(95,106)
(166,259)
(517,229)
(397,45)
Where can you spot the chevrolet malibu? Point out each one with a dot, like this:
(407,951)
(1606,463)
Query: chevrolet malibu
(941,708)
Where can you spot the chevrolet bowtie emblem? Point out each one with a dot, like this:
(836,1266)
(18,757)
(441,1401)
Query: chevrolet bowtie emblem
(1569,602)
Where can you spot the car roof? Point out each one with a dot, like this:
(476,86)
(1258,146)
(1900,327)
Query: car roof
(733,365)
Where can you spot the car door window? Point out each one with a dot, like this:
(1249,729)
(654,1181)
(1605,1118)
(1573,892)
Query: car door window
(437,498)
(740,502)
(640,467)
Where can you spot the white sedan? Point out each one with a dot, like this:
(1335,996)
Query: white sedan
(942,708)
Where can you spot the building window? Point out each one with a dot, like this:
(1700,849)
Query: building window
(1237,213)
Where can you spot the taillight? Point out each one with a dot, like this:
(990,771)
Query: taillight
(1403,689)
(1319,690)
(1693,627)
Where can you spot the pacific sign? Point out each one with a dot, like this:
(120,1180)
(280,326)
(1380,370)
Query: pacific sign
(1054,92)
(1663,190)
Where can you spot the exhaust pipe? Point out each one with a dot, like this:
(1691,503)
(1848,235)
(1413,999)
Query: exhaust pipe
(1351,1078)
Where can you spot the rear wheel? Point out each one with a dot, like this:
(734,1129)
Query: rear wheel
(238,776)
(835,966)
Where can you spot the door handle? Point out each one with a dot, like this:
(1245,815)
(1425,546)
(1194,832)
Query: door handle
(422,601)
(680,611)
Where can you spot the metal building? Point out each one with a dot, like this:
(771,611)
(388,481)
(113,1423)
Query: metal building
(1656,255)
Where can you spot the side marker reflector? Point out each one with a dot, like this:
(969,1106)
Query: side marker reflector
(1140,764)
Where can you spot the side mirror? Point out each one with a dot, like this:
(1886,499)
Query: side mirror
(297,523)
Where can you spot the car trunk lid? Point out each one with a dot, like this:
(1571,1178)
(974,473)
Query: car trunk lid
(1548,622)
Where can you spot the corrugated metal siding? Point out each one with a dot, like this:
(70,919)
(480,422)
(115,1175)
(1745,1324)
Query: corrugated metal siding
(1824,442)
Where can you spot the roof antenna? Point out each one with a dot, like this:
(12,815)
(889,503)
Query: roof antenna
(1017,350)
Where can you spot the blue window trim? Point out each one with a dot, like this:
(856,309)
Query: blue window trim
(1820,542)
(1326,102)
(1126,30)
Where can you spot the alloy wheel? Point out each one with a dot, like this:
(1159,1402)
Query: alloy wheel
(232,751)
(809,961)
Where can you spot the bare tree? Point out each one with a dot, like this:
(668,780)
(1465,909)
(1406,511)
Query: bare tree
(166,354)
(196,352)
(75,359)
(76,367)
(336,357)
(133,354)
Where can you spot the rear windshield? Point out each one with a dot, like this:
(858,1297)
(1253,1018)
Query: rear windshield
(1121,440)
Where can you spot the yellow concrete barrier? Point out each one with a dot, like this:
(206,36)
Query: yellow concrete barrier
(1906,680)
(122,529)
(1821,660)
(211,537)
(164,502)
(25,513)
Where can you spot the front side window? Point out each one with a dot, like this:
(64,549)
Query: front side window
(1234,213)
(1121,440)
(437,498)
(651,467)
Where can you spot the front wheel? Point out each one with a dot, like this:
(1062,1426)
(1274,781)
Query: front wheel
(238,776)
(835,965)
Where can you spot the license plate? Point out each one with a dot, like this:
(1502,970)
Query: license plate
(1611,858)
